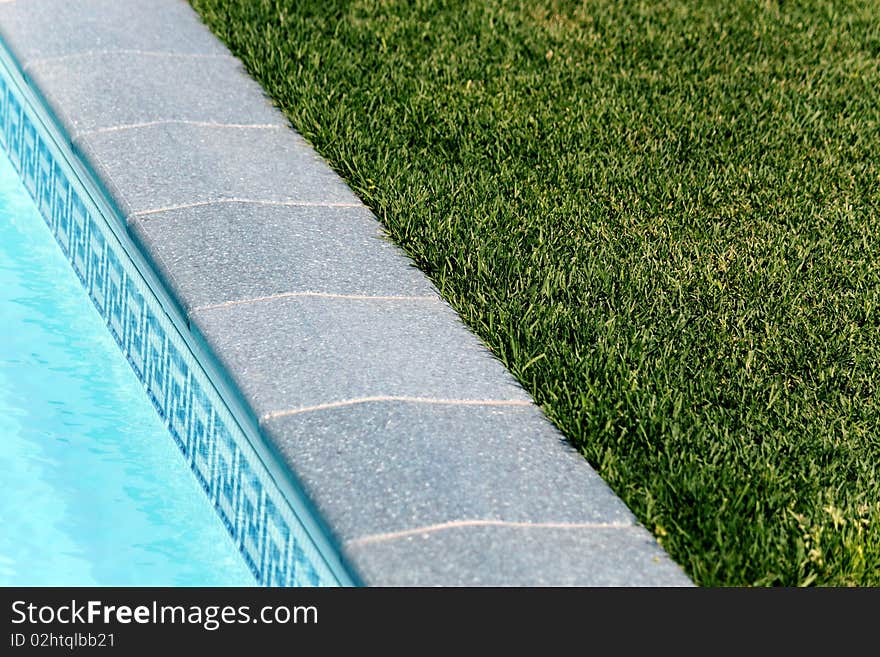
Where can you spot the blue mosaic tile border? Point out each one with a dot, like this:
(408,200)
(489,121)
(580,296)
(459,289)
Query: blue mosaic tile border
(271,537)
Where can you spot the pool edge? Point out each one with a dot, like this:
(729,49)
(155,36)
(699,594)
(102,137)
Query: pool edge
(70,165)
(607,512)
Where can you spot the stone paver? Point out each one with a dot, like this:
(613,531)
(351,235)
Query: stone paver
(427,462)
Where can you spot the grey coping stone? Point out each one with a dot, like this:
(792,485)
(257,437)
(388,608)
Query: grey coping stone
(167,165)
(39,29)
(517,556)
(217,253)
(136,88)
(381,467)
(419,492)
(299,352)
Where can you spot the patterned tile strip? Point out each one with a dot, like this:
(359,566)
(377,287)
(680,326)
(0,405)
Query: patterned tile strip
(271,538)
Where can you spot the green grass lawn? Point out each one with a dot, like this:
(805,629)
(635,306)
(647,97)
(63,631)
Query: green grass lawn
(664,217)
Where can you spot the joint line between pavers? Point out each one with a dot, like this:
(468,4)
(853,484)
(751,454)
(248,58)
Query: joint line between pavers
(322,295)
(394,398)
(200,124)
(294,204)
(39,61)
(456,524)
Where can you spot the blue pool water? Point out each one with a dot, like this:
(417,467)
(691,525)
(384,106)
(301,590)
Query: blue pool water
(93,489)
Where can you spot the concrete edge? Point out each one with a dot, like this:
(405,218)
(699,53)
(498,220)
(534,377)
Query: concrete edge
(427,461)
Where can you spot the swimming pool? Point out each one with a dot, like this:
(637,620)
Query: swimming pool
(97,498)
(95,493)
